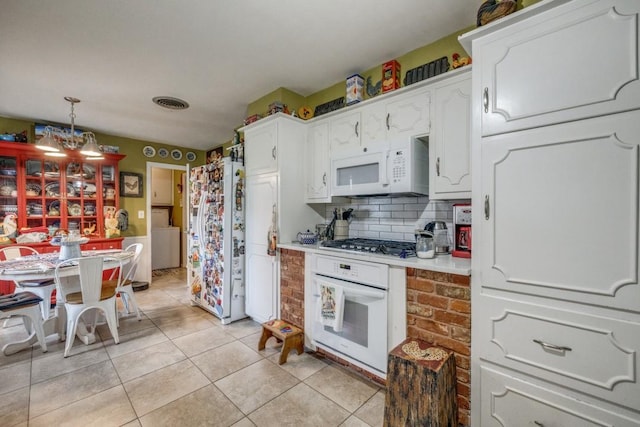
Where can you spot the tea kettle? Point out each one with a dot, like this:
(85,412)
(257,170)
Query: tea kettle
(307,238)
(440,236)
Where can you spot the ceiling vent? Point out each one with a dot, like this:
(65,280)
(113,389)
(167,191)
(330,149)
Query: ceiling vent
(171,103)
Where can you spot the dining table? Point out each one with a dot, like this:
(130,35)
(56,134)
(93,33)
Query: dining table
(41,267)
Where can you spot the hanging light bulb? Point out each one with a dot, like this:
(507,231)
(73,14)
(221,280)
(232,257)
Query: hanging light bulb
(48,142)
(90,147)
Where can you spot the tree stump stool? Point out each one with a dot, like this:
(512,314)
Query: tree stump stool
(291,336)
(421,386)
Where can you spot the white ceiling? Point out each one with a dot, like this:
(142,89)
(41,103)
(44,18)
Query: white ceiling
(219,56)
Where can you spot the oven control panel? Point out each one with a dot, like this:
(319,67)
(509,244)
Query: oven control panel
(369,273)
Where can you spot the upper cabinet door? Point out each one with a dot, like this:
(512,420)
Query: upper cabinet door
(317,173)
(374,124)
(345,132)
(261,149)
(449,156)
(576,61)
(408,116)
(560,212)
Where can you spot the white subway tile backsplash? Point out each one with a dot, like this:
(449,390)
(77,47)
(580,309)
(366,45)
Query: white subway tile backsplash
(392,218)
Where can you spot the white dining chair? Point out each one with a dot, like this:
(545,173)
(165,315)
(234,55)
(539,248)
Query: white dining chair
(93,293)
(43,288)
(25,305)
(125,289)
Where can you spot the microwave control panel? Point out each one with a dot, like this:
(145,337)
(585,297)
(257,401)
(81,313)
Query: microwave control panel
(398,166)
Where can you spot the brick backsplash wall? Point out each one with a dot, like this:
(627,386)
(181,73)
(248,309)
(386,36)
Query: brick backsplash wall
(393,218)
(292,287)
(439,312)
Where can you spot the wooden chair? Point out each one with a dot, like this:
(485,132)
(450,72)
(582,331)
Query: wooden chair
(43,288)
(93,294)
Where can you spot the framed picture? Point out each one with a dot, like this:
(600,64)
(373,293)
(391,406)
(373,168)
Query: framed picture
(214,155)
(130,184)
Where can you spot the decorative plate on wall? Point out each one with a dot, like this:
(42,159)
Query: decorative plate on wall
(176,154)
(163,152)
(149,151)
(191,156)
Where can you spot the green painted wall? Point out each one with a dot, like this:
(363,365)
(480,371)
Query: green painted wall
(446,46)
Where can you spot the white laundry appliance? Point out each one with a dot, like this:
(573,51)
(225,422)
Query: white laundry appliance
(165,241)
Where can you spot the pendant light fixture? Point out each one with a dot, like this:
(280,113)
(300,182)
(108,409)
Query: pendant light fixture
(87,147)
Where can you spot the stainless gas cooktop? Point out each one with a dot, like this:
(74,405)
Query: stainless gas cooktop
(373,246)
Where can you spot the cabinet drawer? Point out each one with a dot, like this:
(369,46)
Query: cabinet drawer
(508,401)
(572,77)
(594,355)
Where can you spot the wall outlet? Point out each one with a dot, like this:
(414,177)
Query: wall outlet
(140,214)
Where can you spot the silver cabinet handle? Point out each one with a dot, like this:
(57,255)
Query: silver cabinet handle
(552,346)
(486,207)
(324,179)
(387,121)
(273,153)
(356,128)
(438,166)
(485,99)
(538,423)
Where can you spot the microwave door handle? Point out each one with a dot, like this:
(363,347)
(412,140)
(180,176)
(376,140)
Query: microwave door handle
(385,178)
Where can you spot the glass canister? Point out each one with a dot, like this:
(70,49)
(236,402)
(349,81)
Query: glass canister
(424,245)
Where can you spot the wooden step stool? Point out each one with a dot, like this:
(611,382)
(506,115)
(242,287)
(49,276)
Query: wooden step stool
(291,336)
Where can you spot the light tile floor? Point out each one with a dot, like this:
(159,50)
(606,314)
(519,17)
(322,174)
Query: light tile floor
(179,367)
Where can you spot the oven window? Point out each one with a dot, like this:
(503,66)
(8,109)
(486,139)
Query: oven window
(355,323)
(361,174)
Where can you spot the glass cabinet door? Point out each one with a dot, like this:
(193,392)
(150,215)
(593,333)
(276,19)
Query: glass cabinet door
(8,194)
(42,193)
(81,194)
(109,199)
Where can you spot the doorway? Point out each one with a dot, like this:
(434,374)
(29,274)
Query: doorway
(166,215)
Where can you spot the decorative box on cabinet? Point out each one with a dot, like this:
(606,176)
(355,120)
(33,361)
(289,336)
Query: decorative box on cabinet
(555,151)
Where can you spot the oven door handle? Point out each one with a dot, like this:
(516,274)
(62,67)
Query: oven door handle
(360,293)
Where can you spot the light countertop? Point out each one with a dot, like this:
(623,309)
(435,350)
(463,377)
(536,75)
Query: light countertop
(441,263)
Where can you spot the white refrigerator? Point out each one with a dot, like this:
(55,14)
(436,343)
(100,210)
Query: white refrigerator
(216,247)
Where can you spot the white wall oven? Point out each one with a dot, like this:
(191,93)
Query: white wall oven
(350,303)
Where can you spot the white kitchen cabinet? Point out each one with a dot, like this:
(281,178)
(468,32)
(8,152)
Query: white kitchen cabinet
(317,158)
(508,401)
(544,192)
(262,155)
(591,75)
(449,141)
(556,218)
(345,132)
(161,187)
(282,188)
(399,117)
(261,273)
(377,122)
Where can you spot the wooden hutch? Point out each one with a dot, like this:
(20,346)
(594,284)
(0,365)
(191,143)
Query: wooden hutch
(49,193)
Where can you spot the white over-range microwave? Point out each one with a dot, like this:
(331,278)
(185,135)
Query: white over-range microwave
(397,167)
